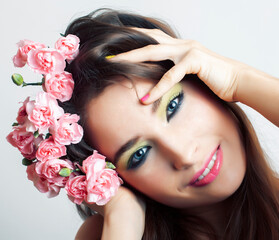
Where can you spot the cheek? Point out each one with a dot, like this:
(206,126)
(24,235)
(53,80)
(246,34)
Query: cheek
(201,115)
(207,113)
(154,180)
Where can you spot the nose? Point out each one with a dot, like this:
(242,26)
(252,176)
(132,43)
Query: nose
(177,149)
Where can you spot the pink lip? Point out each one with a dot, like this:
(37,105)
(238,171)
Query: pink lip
(213,172)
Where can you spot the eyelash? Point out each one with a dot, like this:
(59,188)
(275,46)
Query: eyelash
(179,97)
(141,158)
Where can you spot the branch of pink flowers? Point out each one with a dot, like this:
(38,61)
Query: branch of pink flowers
(43,129)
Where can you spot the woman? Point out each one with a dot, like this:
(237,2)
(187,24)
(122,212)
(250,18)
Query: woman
(191,162)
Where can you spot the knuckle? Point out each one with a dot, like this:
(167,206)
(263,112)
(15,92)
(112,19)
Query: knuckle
(162,87)
(169,77)
(193,52)
(195,44)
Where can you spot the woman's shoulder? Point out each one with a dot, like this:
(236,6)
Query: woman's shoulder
(91,228)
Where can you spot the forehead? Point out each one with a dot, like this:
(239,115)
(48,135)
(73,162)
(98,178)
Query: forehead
(117,115)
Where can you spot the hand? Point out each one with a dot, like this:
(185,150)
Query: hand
(123,198)
(124,215)
(220,74)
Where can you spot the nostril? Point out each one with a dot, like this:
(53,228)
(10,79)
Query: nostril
(184,159)
(181,165)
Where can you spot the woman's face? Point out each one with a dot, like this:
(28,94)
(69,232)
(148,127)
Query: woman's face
(162,149)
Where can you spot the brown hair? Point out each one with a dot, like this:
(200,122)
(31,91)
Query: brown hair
(254,213)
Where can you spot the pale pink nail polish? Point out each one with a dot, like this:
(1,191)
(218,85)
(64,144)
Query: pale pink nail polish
(143,99)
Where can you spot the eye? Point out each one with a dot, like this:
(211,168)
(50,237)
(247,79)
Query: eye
(174,105)
(138,157)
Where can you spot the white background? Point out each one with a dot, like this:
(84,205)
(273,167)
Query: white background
(245,30)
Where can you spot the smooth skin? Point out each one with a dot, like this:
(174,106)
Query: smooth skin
(228,79)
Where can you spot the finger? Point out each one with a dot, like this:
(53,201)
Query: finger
(95,207)
(158,35)
(169,79)
(158,52)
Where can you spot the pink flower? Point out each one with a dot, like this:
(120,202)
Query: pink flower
(43,112)
(42,183)
(60,86)
(24,141)
(95,162)
(67,131)
(68,46)
(46,60)
(102,183)
(24,47)
(22,114)
(104,187)
(49,149)
(50,170)
(76,189)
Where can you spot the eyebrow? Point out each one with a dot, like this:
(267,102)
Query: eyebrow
(156,104)
(125,148)
(128,145)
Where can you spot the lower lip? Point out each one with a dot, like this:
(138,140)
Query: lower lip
(210,177)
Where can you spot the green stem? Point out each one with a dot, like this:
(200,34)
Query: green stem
(24,84)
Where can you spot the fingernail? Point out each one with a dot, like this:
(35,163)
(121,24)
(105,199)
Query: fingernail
(143,99)
(110,56)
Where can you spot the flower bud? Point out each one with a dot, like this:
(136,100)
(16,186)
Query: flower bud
(110,165)
(36,134)
(47,135)
(17,79)
(26,162)
(65,172)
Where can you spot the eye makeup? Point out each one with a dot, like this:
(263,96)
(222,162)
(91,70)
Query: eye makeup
(138,153)
(174,105)
(138,157)
(135,156)
(174,92)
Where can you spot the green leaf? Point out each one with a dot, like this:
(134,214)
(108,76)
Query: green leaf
(110,165)
(65,172)
(36,134)
(15,124)
(26,162)
(47,135)
(17,79)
